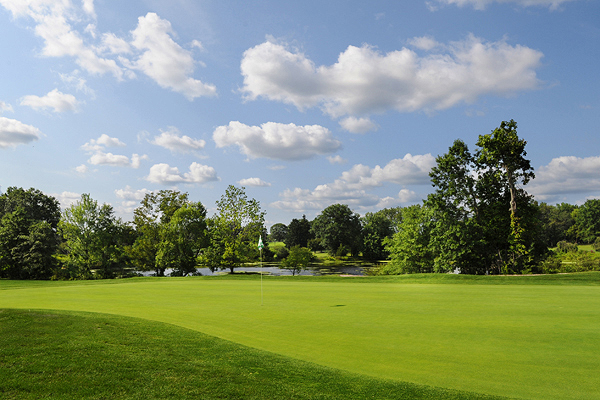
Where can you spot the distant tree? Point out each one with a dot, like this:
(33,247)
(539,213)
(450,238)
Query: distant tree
(298,259)
(92,237)
(298,233)
(182,239)
(587,220)
(376,227)
(278,232)
(28,236)
(153,214)
(338,225)
(557,223)
(234,231)
(409,248)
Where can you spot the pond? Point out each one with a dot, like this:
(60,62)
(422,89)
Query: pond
(269,269)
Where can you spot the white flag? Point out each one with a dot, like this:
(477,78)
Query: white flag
(260,243)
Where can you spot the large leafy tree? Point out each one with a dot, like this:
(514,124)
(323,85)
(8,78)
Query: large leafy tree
(298,233)
(587,221)
(479,218)
(376,228)
(94,239)
(278,232)
(557,223)
(234,230)
(338,226)
(28,237)
(182,239)
(150,218)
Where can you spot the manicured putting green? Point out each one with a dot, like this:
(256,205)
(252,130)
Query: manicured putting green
(528,341)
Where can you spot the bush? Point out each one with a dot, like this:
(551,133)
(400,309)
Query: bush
(596,244)
(566,247)
(282,253)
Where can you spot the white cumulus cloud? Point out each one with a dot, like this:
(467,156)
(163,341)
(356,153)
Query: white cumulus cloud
(566,175)
(166,175)
(165,61)
(5,107)
(365,81)
(171,139)
(358,125)
(355,185)
(277,141)
(256,182)
(55,100)
(14,133)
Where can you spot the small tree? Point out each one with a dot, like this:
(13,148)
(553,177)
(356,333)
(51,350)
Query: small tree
(298,259)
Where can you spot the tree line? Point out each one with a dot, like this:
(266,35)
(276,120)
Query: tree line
(478,220)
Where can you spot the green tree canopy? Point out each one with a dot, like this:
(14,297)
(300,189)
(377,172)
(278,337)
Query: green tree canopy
(278,232)
(298,233)
(234,230)
(28,237)
(297,260)
(338,226)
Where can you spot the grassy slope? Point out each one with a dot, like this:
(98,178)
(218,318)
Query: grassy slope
(532,337)
(72,355)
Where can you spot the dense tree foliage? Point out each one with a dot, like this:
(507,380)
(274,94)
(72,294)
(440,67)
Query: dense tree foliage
(587,221)
(297,260)
(376,228)
(558,223)
(278,232)
(298,233)
(150,219)
(338,227)
(28,236)
(234,231)
(95,240)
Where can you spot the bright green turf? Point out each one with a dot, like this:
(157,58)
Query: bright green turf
(510,339)
(72,355)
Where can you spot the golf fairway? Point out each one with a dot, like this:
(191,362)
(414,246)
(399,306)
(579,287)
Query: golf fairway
(526,341)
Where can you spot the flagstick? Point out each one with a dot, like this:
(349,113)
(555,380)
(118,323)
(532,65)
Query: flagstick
(261,274)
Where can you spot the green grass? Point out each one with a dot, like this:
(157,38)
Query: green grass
(522,336)
(71,355)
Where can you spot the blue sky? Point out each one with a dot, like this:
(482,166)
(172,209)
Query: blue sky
(305,104)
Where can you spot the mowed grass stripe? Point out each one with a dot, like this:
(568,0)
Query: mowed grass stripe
(510,340)
(73,355)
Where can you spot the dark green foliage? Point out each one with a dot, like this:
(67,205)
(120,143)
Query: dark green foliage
(596,244)
(338,225)
(182,240)
(153,214)
(557,223)
(566,247)
(298,259)
(278,232)
(587,221)
(95,241)
(376,228)
(282,252)
(298,233)
(28,234)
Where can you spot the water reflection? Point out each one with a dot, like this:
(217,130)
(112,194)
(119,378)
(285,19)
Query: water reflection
(267,269)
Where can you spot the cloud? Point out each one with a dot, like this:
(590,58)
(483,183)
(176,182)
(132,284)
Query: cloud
(277,141)
(163,60)
(366,81)
(82,169)
(103,141)
(353,187)
(114,160)
(566,175)
(5,107)
(426,43)
(256,182)
(336,160)
(130,194)
(14,133)
(56,100)
(164,174)
(482,4)
(172,140)
(66,199)
(358,125)
(96,148)
(53,24)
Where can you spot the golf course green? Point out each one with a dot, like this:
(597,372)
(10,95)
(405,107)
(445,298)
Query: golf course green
(523,337)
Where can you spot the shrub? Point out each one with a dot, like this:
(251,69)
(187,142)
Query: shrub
(282,252)
(596,244)
(566,247)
